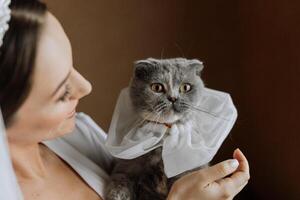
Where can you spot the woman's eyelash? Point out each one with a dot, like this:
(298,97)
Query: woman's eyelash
(66,94)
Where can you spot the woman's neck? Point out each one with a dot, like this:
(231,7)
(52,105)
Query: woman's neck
(29,160)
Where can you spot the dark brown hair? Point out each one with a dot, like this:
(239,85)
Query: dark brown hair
(17,54)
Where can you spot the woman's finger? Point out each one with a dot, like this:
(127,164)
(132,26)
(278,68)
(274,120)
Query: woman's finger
(218,171)
(244,165)
(241,175)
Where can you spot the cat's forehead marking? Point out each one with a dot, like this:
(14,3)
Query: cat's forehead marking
(171,72)
(170,82)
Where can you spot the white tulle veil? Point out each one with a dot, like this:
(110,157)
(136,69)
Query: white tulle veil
(184,146)
(9,188)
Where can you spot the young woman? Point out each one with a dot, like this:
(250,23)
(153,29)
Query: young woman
(56,153)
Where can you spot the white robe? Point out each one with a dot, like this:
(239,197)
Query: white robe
(83,150)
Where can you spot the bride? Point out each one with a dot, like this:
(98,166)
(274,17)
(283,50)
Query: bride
(48,151)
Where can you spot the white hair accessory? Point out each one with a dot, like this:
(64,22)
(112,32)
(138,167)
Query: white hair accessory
(4,18)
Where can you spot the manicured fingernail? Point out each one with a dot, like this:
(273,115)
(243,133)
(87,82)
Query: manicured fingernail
(234,163)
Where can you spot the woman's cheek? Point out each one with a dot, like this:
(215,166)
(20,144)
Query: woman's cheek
(57,121)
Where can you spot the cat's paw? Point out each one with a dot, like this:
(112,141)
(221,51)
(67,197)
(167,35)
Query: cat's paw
(119,193)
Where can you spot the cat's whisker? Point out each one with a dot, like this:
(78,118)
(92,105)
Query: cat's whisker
(161,108)
(204,111)
(155,112)
(142,120)
(138,123)
(156,121)
(158,105)
(155,107)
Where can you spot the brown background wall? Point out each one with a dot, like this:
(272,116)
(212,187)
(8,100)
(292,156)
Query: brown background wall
(250,49)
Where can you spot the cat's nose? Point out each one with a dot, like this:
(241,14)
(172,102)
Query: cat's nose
(172,99)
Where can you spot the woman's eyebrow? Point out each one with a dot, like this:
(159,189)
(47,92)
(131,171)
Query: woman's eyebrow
(61,84)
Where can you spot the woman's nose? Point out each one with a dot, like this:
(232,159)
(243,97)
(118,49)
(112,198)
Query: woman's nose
(83,87)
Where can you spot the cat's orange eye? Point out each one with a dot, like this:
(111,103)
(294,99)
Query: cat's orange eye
(185,88)
(157,87)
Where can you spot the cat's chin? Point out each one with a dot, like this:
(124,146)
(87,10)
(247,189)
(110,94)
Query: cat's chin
(169,118)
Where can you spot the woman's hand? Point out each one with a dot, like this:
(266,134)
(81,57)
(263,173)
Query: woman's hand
(212,183)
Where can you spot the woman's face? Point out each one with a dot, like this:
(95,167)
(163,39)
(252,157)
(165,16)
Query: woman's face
(49,110)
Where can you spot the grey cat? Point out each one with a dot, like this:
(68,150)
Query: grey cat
(162,91)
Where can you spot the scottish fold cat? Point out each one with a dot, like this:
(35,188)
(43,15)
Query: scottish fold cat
(165,92)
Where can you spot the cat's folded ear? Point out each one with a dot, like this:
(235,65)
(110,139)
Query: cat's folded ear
(142,68)
(197,65)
